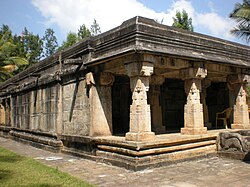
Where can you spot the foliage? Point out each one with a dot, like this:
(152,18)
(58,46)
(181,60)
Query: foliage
(181,20)
(16,170)
(241,14)
(95,28)
(71,40)
(83,32)
(9,61)
(33,46)
(50,42)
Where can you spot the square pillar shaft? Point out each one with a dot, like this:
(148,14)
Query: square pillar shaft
(140,116)
(193,109)
(100,104)
(240,112)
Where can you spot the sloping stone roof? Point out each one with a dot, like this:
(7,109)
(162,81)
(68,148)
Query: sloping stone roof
(143,35)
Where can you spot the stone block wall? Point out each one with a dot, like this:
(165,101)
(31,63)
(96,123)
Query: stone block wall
(21,110)
(75,109)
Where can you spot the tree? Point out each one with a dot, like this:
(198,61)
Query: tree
(8,61)
(33,46)
(241,14)
(71,40)
(95,28)
(83,32)
(181,20)
(50,42)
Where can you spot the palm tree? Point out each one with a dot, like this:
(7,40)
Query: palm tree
(241,14)
(8,62)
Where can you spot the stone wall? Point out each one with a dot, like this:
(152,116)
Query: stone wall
(76,115)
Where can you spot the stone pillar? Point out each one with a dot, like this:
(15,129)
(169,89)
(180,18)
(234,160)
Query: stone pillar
(240,108)
(2,114)
(140,117)
(193,109)
(100,103)
(59,119)
(154,99)
(205,85)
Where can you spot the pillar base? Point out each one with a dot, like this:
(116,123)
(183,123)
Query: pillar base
(141,136)
(240,126)
(194,131)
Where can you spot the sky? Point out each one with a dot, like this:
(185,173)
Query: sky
(209,17)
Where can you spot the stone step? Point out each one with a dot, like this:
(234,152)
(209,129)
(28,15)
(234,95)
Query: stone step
(155,156)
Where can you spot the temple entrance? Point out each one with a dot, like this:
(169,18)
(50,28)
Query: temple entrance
(217,101)
(121,101)
(173,99)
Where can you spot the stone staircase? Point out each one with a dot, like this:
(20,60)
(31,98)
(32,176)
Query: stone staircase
(163,151)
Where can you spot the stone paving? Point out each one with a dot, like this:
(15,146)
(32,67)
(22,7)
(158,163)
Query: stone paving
(212,171)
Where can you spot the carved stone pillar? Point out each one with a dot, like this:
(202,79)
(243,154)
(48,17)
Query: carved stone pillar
(154,99)
(193,109)
(100,103)
(205,85)
(140,118)
(240,110)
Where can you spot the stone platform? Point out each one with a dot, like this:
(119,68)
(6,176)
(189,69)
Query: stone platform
(116,150)
(132,155)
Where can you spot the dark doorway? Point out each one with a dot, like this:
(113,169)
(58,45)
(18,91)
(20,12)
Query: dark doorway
(121,101)
(173,99)
(217,101)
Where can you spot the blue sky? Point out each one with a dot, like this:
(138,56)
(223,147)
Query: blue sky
(209,16)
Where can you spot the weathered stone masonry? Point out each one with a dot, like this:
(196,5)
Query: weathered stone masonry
(163,77)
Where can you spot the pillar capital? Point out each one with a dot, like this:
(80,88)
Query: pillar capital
(238,79)
(139,69)
(157,80)
(193,73)
(90,79)
(106,79)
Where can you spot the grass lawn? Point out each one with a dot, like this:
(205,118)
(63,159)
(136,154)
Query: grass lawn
(16,170)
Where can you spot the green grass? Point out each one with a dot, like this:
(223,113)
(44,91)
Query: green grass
(16,170)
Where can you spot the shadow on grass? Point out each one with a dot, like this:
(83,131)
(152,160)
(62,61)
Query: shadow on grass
(43,185)
(5,174)
(10,159)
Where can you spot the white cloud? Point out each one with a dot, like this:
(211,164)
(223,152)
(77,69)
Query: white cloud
(70,14)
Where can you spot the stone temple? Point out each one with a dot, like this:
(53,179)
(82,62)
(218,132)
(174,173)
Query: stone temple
(140,95)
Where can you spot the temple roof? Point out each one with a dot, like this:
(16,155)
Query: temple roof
(143,35)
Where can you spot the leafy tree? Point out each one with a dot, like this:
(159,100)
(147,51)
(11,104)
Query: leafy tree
(8,61)
(50,42)
(33,46)
(71,40)
(241,14)
(83,32)
(181,20)
(95,28)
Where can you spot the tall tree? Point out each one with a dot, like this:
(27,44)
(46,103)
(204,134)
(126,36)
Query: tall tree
(83,32)
(241,14)
(181,20)
(71,40)
(8,61)
(33,46)
(95,28)
(50,42)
